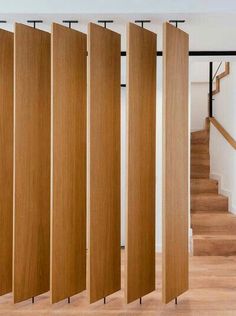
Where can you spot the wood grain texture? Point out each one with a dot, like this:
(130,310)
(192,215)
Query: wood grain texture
(175,163)
(103,161)
(204,186)
(68,217)
(6,161)
(223,132)
(208,202)
(31,240)
(141,120)
(212,293)
(214,245)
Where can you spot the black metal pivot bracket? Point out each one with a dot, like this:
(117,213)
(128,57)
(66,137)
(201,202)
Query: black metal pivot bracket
(176,22)
(34,22)
(3,21)
(70,22)
(142,22)
(105,22)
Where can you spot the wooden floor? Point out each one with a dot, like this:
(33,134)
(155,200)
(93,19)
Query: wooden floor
(212,292)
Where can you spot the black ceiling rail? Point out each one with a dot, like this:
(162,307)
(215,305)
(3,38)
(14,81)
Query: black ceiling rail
(34,22)
(142,22)
(105,22)
(176,22)
(70,22)
(213,53)
(202,53)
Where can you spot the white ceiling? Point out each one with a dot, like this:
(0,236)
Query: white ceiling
(211,24)
(117,6)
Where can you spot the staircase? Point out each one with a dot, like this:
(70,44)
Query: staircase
(214,228)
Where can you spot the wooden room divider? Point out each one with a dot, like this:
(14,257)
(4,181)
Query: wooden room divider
(31,254)
(68,217)
(141,129)
(103,162)
(175,163)
(6,161)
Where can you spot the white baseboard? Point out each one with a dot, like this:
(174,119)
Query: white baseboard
(218,177)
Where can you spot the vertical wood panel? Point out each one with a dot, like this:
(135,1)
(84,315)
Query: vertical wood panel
(31,163)
(104,161)
(6,160)
(175,163)
(68,226)
(141,107)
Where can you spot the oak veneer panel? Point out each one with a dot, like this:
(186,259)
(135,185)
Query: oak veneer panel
(6,161)
(31,163)
(141,107)
(175,162)
(104,161)
(68,225)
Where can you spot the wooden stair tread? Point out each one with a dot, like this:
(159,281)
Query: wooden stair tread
(203,185)
(209,216)
(195,176)
(207,212)
(223,223)
(203,181)
(201,136)
(200,162)
(215,237)
(200,148)
(200,172)
(218,245)
(206,195)
(198,133)
(209,202)
(200,155)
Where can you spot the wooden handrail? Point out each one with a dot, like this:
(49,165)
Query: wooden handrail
(223,132)
(219,77)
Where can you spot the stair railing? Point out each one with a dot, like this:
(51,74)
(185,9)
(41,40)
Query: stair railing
(211,80)
(217,125)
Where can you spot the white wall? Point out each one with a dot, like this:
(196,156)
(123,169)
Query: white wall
(199,78)
(199,105)
(222,155)
(199,72)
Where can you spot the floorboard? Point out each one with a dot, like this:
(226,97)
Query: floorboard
(212,292)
